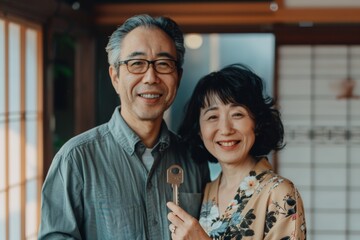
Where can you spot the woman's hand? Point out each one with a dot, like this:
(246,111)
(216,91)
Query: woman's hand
(183,226)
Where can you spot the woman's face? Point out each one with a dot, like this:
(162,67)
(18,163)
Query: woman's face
(227,131)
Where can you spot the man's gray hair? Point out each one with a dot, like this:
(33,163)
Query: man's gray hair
(166,24)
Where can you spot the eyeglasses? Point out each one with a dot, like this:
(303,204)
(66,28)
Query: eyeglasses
(139,66)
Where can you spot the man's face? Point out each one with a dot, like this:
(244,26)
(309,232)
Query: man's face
(145,96)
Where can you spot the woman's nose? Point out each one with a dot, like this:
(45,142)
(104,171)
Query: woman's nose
(226,127)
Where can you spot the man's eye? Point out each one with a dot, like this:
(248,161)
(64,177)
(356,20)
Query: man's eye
(163,63)
(137,63)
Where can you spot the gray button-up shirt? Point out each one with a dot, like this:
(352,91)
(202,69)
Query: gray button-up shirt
(98,188)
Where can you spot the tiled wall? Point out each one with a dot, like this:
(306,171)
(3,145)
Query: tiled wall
(322,156)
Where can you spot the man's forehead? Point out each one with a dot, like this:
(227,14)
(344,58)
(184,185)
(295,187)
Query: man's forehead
(142,42)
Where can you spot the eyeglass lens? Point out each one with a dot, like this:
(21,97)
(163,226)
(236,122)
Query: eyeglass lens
(142,65)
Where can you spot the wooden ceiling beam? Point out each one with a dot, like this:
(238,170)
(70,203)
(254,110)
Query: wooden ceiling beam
(181,8)
(225,14)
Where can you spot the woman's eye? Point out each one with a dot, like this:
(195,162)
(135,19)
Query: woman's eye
(212,117)
(238,115)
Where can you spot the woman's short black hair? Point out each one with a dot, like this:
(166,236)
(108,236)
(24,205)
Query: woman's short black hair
(234,83)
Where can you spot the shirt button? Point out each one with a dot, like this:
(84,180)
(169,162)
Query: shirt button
(155,222)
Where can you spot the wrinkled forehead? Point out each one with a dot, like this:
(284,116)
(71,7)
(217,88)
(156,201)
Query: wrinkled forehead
(147,42)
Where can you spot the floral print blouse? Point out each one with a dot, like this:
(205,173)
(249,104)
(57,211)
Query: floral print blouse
(265,206)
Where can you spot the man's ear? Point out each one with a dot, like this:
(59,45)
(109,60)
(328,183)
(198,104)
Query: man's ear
(114,77)
(180,73)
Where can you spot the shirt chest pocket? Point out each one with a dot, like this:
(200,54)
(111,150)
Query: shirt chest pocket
(121,221)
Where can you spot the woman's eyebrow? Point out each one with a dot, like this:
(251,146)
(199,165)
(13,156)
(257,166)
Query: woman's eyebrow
(211,108)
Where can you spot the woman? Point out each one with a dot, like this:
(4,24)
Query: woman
(229,120)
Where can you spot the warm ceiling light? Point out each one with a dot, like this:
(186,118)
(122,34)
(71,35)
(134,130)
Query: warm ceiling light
(193,41)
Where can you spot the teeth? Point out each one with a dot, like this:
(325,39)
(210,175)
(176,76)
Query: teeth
(148,95)
(227,144)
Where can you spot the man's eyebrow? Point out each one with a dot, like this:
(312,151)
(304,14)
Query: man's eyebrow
(161,54)
(166,54)
(135,54)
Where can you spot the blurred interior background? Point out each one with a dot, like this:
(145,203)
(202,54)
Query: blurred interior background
(54,84)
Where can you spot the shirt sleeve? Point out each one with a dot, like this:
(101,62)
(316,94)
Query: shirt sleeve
(61,204)
(285,218)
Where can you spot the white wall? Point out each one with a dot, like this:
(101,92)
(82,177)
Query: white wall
(322,3)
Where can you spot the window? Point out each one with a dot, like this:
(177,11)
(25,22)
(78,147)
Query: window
(21,120)
(319,88)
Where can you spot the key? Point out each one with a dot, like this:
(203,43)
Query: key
(175,177)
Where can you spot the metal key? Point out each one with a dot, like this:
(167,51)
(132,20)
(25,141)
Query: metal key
(175,177)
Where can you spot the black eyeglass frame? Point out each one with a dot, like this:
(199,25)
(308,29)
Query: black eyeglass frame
(148,64)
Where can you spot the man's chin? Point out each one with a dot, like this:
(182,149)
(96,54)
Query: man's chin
(150,115)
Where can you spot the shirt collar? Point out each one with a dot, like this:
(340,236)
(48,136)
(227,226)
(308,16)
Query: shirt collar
(128,139)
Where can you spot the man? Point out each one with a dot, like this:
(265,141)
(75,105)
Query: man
(110,182)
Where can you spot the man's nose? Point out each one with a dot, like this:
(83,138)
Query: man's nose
(150,76)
